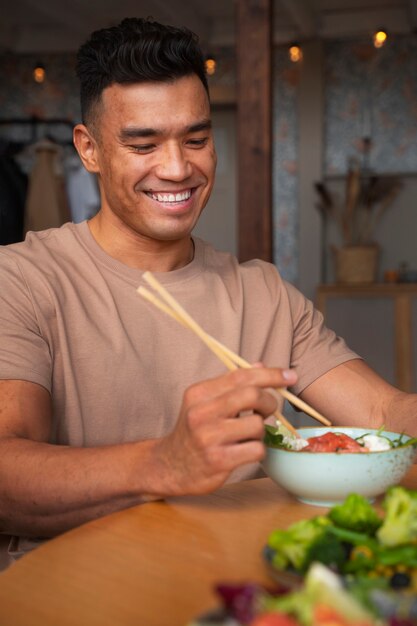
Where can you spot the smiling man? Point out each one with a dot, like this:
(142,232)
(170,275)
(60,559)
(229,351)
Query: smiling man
(153,152)
(105,402)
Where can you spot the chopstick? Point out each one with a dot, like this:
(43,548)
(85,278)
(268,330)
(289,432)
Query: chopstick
(211,343)
(238,360)
(231,360)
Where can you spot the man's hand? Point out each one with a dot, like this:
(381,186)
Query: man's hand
(51,488)
(212,437)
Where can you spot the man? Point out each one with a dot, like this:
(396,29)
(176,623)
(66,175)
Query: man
(105,402)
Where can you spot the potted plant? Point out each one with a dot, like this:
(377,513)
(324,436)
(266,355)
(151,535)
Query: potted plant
(367,197)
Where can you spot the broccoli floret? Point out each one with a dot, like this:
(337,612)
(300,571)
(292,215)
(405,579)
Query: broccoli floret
(291,546)
(356,513)
(326,549)
(400,522)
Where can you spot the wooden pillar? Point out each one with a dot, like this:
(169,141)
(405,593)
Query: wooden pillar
(403,343)
(254,128)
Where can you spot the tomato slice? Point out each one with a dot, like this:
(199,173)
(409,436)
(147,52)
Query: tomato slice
(333,442)
(327,616)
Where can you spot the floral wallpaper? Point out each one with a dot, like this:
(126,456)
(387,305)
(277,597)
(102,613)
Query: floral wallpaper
(371,93)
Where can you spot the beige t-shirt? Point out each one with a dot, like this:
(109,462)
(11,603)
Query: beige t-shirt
(71,321)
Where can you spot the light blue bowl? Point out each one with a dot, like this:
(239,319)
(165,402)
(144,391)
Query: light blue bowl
(326,478)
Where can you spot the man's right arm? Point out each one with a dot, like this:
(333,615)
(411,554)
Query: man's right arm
(46,489)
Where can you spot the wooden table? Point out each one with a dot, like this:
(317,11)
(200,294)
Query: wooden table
(401,294)
(151,565)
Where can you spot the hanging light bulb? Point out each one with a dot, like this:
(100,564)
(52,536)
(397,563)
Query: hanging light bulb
(295,53)
(210,64)
(39,73)
(379,38)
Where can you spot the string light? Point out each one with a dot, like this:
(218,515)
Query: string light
(379,38)
(295,53)
(210,64)
(39,73)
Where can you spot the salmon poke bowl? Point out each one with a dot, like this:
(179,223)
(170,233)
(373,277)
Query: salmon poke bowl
(325,464)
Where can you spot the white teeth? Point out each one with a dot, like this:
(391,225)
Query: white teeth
(171,197)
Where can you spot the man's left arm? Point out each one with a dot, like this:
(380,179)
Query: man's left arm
(352,394)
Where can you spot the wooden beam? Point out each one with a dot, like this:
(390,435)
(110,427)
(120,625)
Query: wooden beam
(254,128)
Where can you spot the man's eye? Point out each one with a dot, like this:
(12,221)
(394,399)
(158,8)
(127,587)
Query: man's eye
(146,147)
(197,143)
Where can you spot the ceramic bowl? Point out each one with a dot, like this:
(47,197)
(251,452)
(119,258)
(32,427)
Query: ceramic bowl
(326,478)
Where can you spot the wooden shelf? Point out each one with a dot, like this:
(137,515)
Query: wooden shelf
(401,294)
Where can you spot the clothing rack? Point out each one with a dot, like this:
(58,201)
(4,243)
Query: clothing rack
(34,122)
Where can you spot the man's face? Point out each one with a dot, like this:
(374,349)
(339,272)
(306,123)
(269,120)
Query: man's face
(155,156)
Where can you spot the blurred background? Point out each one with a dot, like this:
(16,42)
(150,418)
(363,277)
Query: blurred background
(343,139)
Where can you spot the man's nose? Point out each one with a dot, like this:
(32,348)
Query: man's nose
(174,163)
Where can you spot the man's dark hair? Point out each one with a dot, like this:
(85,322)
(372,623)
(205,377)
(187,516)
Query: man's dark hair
(137,50)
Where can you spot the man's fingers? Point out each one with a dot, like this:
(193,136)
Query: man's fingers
(231,404)
(249,398)
(245,428)
(246,452)
(263,376)
(256,376)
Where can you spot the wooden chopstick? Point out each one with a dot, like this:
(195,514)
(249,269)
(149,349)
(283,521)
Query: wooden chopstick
(229,358)
(209,341)
(183,317)
(238,360)
(203,335)
(284,392)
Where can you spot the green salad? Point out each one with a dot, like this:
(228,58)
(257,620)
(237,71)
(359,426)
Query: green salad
(372,551)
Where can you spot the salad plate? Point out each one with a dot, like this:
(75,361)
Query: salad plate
(353,566)
(373,553)
(288,577)
(322,600)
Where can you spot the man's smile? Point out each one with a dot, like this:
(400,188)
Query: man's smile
(169,197)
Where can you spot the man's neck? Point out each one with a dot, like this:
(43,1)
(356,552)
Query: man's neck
(140,252)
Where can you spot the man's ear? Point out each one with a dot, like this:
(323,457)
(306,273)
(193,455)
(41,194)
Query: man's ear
(86,147)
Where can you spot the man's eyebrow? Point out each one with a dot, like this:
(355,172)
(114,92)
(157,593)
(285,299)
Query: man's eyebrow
(135,132)
(203,125)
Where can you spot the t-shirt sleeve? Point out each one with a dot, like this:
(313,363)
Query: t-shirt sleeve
(316,349)
(24,353)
